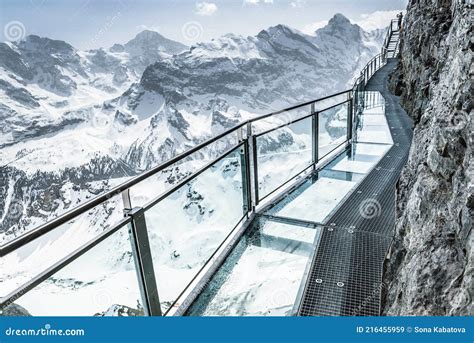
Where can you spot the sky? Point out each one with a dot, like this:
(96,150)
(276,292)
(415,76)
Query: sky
(88,24)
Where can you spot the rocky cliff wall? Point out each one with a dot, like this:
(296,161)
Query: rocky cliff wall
(429,270)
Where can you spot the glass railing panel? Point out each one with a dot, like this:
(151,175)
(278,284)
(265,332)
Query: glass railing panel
(102,282)
(283,154)
(148,189)
(280,119)
(332,128)
(188,226)
(332,101)
(372,123)
(262,274)
(21,265)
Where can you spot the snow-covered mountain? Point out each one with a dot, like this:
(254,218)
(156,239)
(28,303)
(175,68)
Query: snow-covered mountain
(94,114)
(47,84)
(220,82)
(76,123)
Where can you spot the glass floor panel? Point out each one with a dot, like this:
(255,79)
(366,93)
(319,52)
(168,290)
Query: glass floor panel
(318,201)
(372,124)
(378,110)
(262,274)
(375,135)
(363,159)
(373,119)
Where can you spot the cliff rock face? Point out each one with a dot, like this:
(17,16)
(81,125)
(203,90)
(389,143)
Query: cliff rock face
(429,270)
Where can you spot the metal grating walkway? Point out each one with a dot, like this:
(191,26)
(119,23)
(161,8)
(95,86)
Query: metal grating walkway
(345,276)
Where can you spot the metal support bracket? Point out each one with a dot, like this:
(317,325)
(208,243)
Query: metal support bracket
(144,262)
(315,134)
(245,169)
(252,143)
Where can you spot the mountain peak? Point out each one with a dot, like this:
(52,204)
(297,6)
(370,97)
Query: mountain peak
(339,19)
(274,32)
(45,45)
(148,40)
(341,26)
(148,34)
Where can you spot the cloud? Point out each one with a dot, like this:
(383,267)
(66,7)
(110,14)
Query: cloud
(206,8)
(149,27)
(376,20)
(298,3)
(310,28)
(256,2)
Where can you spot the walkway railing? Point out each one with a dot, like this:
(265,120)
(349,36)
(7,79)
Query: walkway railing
(269,152)
(393,28)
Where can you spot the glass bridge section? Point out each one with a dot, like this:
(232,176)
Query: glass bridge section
(318,196)
(239,214)
(263,273)
(372,124)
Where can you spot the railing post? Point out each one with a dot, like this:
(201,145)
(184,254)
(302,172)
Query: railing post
(350,118)
(245,169)
(127,202)
(143,262)
(315,135)
(253,166)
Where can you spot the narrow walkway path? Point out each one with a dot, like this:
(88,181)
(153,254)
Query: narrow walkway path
(345,277)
